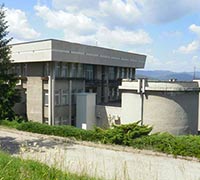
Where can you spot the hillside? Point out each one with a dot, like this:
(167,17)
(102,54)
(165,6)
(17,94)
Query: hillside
(166,75)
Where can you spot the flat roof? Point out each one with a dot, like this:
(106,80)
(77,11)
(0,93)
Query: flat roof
(162,86)
(64,51)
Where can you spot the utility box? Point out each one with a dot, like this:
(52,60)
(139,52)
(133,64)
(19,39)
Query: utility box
(85,110)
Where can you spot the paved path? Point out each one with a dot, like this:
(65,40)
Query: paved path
(108,162)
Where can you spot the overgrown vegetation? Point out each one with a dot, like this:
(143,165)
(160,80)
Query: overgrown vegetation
(123,134)
(8,93)
(16,168)
(130,135)
(164,142)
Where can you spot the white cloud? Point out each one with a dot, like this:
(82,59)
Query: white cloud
(81,28)
(158,11)
(75,5)
(78,23)
(153,63)
(123,37)
(196,29)
(119,12)
(129,12)
(117,38)
(19,26)
(190,48)
(174,64)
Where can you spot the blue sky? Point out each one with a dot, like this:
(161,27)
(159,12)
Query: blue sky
(168,31)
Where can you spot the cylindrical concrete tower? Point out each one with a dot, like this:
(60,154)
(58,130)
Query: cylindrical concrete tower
(167,106)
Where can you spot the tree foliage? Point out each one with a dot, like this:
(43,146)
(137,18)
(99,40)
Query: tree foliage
(8,92)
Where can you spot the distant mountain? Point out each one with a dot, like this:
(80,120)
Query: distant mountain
(166,75)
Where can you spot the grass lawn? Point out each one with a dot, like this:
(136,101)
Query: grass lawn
(12,168)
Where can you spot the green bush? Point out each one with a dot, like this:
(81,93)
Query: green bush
(123,134)
(167,143)
(12,124)
(118,134)
(64,131)
(134,135)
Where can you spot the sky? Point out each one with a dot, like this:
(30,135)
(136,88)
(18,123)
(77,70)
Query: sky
(167,31)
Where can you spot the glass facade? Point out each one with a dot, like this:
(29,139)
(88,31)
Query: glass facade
(46,69)
(65,70)
(111,73)
(64,97)
(58,69)
(57,97)
(89,72)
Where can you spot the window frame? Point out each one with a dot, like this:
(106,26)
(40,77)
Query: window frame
(46,98)
(57,97)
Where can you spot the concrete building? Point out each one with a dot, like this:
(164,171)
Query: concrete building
(167,106)
(70,83)
(52,72)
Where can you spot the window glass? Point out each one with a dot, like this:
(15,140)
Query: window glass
(122,73)
(57,97)
(58,69)
(65,99)
(18,69)
(80,70)
(24,72)
(65,70)
(73,70)
(132,73)
(46,98)
(89,72)
(46,69)
(111,73)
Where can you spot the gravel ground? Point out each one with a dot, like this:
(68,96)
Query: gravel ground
(105,161)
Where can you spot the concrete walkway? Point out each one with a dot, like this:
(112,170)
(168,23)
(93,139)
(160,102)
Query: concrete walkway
(107,162)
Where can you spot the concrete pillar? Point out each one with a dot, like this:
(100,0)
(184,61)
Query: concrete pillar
(106,88)
(50,100)
(99,78)
(53,93)
(35,99)
(70,102)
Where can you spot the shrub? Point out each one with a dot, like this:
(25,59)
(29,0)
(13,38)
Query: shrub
(64,131)
(134,135)
(124,134)
(12,124)
(167,143)
(118,134)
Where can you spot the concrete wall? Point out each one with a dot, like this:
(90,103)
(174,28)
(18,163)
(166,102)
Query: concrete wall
(85,110)
(31,52)
(131,108)
(107,115)
(73,52)
(35,99)
(168,107)
(175,112)
(55,50)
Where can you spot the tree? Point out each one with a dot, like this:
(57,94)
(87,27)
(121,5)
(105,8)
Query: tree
(9,95)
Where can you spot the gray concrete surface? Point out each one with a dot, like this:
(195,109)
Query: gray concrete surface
(167,106)
(108,162)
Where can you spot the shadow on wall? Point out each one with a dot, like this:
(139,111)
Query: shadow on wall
(184,110)
(107,115)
